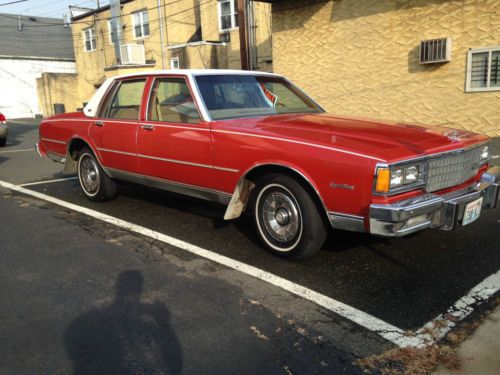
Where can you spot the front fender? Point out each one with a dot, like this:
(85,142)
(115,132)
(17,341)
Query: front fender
(244,186)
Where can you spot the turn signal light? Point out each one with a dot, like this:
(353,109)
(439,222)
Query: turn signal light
(383,180)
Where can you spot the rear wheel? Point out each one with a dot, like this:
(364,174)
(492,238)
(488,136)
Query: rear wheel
(95,183)
(287,219)
(3,141)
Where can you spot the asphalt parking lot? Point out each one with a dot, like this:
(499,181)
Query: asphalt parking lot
(68,275)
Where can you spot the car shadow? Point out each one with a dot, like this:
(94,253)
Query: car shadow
(337,241)
(126,337)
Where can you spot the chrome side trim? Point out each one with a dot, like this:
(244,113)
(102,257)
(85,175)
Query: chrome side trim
(175,161)
(161,125)
(172,186)
(53,141)
(226,169)
(116,151)
(37,149)
(67,119)
(348,222)
(298,142)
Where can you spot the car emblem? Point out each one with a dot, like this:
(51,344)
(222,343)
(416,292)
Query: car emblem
(341,186)
(456,135)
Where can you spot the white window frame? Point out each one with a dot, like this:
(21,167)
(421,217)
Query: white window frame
(472,51)
(141,16)
(91,38)
(110,32)
(234,11)
(173,61)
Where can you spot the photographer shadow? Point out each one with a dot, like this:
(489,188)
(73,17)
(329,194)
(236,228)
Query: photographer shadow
(126,337)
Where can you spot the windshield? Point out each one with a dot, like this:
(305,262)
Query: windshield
(233,96)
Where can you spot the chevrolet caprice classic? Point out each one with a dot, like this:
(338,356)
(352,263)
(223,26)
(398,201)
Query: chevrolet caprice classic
(258,144)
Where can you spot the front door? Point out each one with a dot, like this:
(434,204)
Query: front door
(115,130)
(174,144)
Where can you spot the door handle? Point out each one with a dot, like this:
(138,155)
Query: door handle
(99,123)
(147,127)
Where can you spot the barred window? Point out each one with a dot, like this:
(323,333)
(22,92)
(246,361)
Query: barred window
(483,69)
(89,39)
(228,14)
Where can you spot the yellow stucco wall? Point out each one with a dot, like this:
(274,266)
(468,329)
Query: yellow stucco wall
(58,88)
(360,57)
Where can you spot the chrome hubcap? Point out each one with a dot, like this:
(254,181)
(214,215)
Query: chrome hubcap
(281,216)
(89,174)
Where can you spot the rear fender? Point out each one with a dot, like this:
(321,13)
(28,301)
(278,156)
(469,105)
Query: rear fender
(71,163)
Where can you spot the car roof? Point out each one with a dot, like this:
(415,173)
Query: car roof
(195,72)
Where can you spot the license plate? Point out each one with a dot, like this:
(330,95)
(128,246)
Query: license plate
(472,211)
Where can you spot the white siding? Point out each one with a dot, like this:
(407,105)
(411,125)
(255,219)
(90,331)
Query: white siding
(18,96)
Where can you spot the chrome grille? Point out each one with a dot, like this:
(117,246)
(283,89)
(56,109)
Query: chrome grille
(451,170)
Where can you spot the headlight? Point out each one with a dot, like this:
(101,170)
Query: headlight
(485,153)
(399,178)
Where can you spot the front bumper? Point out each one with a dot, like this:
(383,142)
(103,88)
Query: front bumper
(432,210)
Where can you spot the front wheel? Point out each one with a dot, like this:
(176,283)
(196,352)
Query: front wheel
(95,183)
(287,219)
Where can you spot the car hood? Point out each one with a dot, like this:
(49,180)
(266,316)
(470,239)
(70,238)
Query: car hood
(389,141)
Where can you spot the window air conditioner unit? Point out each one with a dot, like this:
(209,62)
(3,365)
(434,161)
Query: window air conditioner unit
(435,51)
(133,54)
(225,38)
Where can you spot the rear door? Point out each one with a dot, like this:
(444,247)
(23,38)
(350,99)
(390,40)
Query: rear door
(115,130)
(173,143)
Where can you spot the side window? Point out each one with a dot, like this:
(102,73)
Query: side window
(171,101)
(126,102)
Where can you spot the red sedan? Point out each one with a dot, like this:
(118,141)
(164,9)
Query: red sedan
(257,143)
(4,130)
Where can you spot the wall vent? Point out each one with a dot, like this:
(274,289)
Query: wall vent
(133,54)
(435,51)
(225,38)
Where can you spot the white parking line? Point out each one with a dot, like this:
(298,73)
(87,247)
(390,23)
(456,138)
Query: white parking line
(461,309)
(495,156)
(443,323)
(386,330)
(48,181)
(22,150)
